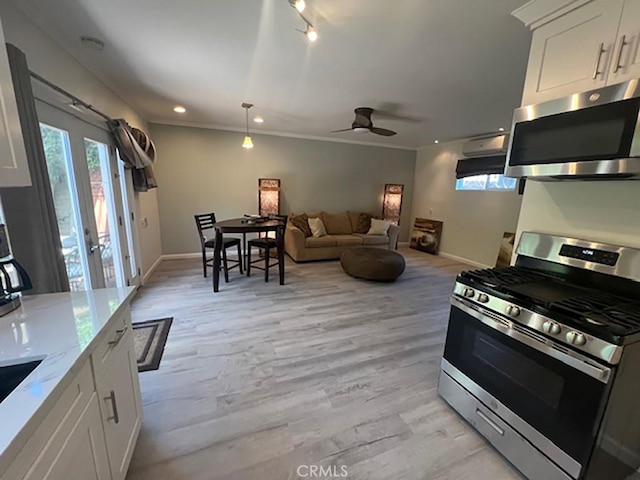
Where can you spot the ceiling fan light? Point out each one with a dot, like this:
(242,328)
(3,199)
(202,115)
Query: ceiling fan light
(299,5)
(248,143)
(360,130)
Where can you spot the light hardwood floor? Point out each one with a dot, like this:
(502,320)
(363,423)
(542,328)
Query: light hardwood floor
(259,378)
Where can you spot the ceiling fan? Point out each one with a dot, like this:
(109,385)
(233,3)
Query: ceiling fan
(363,123)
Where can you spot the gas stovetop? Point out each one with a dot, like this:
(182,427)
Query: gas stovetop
(605,315)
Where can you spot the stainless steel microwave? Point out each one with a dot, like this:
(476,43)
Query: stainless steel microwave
(590,135)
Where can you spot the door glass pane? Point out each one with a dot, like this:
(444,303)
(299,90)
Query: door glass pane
(104,212)
(65,201)
(128,219)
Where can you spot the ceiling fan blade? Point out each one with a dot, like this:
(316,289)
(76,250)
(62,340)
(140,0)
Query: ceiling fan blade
(382,131)
(343,130)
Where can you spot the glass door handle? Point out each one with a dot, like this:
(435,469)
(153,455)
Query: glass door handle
(93,247)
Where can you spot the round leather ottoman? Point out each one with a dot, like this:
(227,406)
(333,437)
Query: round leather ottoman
(372,264)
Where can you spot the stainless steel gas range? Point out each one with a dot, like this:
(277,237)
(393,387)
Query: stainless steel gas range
(543,358)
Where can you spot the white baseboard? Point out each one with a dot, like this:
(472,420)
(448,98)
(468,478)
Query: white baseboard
(181,256)
(463,260)
(152,269)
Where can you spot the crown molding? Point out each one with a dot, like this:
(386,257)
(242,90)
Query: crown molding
(536,13)
(224,128)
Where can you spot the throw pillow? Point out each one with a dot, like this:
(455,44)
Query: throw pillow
(379,227)
(364,223)
(336,224)
(302,222)
(317,227)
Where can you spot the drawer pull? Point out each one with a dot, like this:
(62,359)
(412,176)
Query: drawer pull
(114,406)
(120,334)
(489,422)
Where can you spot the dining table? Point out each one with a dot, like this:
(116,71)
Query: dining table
(246,225)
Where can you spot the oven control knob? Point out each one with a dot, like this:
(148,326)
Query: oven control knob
(576,338)
(513,310)
(483,298)
(552,327)
(468,292)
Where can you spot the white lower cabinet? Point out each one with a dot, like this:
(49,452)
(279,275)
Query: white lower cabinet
(90,432)
(121,407)
(83,455)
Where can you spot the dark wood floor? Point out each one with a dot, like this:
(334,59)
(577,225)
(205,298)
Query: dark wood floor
(260,379)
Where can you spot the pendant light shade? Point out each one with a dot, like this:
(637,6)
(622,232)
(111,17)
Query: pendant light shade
(248,142)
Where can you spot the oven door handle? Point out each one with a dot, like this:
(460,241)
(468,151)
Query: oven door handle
(533,340)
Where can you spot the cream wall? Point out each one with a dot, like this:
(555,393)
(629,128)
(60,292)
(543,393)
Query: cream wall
(201,170)
(49,59)
(474,222)
(608,212)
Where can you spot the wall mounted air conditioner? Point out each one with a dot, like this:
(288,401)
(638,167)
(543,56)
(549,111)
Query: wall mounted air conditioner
(485,146)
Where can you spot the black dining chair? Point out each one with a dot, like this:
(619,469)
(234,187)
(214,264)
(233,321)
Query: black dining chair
(205,222)
(265,245)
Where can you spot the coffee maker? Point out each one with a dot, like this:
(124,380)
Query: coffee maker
(13,278)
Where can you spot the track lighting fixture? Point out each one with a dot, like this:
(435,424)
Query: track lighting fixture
(311,34)
(310,31)
(247,143)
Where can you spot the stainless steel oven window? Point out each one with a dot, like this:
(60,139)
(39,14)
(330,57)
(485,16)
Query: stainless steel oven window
(541,383)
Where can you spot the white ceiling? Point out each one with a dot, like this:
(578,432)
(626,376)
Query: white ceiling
(440,69)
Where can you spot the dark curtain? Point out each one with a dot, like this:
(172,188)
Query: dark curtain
(470,167)
(137,152)
(29,211)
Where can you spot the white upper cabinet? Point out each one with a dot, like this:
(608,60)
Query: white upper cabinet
(575,51)
(626,59)
(14,170)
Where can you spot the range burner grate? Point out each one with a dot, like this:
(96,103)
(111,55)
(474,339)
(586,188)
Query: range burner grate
(600,311)
(507,277)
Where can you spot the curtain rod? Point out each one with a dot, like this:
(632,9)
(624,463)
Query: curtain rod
(76,100)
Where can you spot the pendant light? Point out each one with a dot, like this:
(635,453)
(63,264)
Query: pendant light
(248,143)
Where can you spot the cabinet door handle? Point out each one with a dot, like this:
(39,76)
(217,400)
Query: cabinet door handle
(490,422)
(114,406)
(623,43)
(119,335)
(596,69)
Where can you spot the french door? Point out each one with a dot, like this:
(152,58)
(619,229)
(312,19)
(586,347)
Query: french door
(90,197)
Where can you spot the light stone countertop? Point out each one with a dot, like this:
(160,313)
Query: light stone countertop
(62,329)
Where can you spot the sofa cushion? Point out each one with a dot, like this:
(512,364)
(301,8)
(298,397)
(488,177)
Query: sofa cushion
(317,227)
(354,218)
(347,240)
(379,227)
(364,223)
(302,222)
(317,242)
(372,239)
(338,224)
(315,214)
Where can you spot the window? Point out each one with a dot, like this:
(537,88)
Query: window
(486,182)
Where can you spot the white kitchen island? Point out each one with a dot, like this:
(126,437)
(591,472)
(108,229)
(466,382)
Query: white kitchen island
(77,416)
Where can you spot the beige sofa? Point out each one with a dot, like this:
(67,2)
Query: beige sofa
(341,235)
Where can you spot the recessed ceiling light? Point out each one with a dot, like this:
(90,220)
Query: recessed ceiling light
(92,42)
(436,141)
(258,120)
(179,109)
(501,129)
(299,5)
